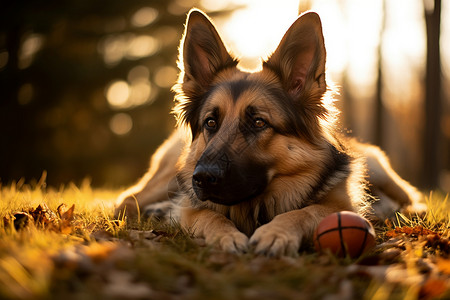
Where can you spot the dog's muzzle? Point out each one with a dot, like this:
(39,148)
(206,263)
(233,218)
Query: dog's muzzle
(224,181)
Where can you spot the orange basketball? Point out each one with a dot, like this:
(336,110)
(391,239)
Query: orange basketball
(344,233)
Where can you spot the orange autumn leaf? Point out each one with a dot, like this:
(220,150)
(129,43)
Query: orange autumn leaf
(433,288)
(66,218)
(409,231)
(443,265)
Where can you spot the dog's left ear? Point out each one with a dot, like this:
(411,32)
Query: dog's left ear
(300,58)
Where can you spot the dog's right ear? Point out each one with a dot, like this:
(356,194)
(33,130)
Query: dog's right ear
(202,51)
(202,56)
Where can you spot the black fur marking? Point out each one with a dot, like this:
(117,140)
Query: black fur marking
(295,124)
(263,216)
(304,122)
(238,87)
(336,170)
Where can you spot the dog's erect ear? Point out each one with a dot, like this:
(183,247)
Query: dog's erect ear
(203,52)
(299,59)
(202,55)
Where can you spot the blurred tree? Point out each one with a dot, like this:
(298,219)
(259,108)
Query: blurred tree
(379,108)
(432,164)
(83,86)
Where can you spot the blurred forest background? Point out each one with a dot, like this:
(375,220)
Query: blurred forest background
(85,85)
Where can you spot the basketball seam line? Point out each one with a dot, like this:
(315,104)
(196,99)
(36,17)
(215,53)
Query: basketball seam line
(363,244)
(341,235)
(343,227)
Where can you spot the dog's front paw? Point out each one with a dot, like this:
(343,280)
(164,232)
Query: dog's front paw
(275,240)
(235,242)
(164,211)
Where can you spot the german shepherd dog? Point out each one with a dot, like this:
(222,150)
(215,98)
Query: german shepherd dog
(256,161)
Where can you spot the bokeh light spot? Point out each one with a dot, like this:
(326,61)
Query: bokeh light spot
(166,76)
(140,92)
(31,45)
(138,73)
(117,94)
(142,46)
(144,16)
(121,124)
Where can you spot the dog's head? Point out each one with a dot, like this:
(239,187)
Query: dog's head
(250,127)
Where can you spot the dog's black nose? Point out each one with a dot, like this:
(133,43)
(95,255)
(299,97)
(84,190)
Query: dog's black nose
(206,177)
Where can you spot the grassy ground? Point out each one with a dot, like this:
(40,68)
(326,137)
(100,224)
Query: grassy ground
(48,251)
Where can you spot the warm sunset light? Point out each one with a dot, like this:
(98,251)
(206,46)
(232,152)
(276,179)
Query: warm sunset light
(175,149)
(98,64)
(254,31)
(352,35)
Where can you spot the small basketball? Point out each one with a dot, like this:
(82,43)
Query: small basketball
(344,233)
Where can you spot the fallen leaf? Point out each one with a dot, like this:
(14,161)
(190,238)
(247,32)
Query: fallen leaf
(43,216)
(432,288)
(22,220)
(64,213)
(443,265)
(409,231)
(66,218)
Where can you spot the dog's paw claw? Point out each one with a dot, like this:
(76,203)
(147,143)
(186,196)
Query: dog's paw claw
(274,243)
(234,243)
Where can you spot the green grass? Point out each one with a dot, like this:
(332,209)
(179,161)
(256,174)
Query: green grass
(103,258)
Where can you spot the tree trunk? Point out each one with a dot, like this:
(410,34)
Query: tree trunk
(379,109)
(433,104)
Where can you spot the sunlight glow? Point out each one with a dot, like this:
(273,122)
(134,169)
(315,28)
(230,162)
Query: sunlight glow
(404,50)
(254,31)
(445,42)
(352,31)
(214,5)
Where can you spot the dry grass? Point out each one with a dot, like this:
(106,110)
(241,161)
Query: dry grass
(97,257)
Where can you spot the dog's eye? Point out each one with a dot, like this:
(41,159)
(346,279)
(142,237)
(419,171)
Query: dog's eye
(211,123)
(259,123)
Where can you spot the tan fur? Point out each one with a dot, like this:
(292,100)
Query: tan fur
(311,170)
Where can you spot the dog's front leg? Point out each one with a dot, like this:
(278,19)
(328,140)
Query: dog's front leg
(285,233)
(215,228)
